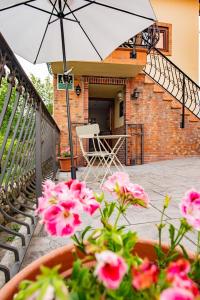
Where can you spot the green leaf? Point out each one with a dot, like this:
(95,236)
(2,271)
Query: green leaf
(99,198)
(111,209)
(184,251)
(117,238)
(85,231)
(160,254)
(171,233)
(76,268)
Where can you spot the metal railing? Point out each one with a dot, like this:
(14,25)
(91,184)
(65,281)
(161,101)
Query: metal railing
(146,39)
(135,144)
(173,80)
(29,144)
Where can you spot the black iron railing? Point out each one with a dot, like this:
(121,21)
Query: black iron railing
(29,143)
(134,144)
(173,80)
(146,39)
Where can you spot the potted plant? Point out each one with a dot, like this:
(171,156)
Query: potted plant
(65,160)
(109,262)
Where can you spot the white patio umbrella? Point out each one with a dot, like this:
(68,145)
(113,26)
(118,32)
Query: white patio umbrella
(71,30)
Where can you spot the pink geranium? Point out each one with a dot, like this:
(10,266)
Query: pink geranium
(175,293)
(179,268)
(120,185)
(110,269)
(84,195)
(144,275)
(136,195)
(190,208)
(60,220)
(117,180)
(177,275)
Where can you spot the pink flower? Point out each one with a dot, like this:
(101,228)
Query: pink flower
(179,268)
(144,275)
(136,194)
(117,179)
(84,195)
(60,220)
(190,208)
(120,185)
(110,269)
(187,284)
(176,293)
(177,275)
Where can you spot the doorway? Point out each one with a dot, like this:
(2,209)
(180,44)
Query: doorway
(101,112)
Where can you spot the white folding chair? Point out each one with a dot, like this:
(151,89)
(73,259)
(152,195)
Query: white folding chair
(100,153)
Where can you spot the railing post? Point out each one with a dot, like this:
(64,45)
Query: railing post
(183,104)
(38,150)
(54,152)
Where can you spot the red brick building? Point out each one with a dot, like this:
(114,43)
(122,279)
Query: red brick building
(119,95)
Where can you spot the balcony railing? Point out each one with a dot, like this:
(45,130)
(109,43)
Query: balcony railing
(146,39)
(29,144)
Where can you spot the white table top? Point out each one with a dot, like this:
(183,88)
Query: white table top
(113,136)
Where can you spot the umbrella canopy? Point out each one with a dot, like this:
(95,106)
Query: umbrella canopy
(92,29)
(76,30)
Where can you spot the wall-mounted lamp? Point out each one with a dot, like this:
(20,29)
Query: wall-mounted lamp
(133,53)
(136,94)
(78,90)
(120,95)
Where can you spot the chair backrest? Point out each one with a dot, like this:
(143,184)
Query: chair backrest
(87,132)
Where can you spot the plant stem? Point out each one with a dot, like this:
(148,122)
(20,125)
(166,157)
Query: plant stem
(161,227)
(118,215)
(198,244)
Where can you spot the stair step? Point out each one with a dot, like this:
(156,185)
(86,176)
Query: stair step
(167,99)
(148,80)
(158,89)
(193,120)
(176,106)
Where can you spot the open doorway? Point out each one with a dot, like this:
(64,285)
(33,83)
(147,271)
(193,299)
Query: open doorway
(106,104)
(101,112)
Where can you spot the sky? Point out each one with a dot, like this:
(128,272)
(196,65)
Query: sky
(39,70)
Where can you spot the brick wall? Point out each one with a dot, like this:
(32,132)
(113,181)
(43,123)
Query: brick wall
(159,113)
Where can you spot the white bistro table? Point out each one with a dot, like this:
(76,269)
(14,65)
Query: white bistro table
(114,150)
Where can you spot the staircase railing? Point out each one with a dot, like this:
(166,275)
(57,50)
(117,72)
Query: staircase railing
(173,80)
(29,142)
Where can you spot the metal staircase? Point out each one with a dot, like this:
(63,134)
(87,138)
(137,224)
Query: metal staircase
(173,80)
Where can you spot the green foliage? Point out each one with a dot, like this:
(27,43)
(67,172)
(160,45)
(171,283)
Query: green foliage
(45,90)
(48,282)
(83,284)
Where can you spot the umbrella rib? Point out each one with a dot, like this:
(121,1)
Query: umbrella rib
(45,32)
(40,9)
(67,19)
(78,22)
(15,5)
(53,5)
(69,13)
(120,10)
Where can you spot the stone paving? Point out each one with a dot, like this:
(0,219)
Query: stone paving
(172,177)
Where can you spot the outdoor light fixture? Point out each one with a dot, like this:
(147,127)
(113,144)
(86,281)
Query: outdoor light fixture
(133,53)
(136,94)
(120,95)
(78,90)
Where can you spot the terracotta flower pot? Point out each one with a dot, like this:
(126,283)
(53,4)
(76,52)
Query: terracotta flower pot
(65,163)
(63,256)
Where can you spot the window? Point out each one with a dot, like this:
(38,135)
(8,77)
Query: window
(165,42)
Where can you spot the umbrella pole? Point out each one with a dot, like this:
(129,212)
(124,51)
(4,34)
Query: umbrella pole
(65,78)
